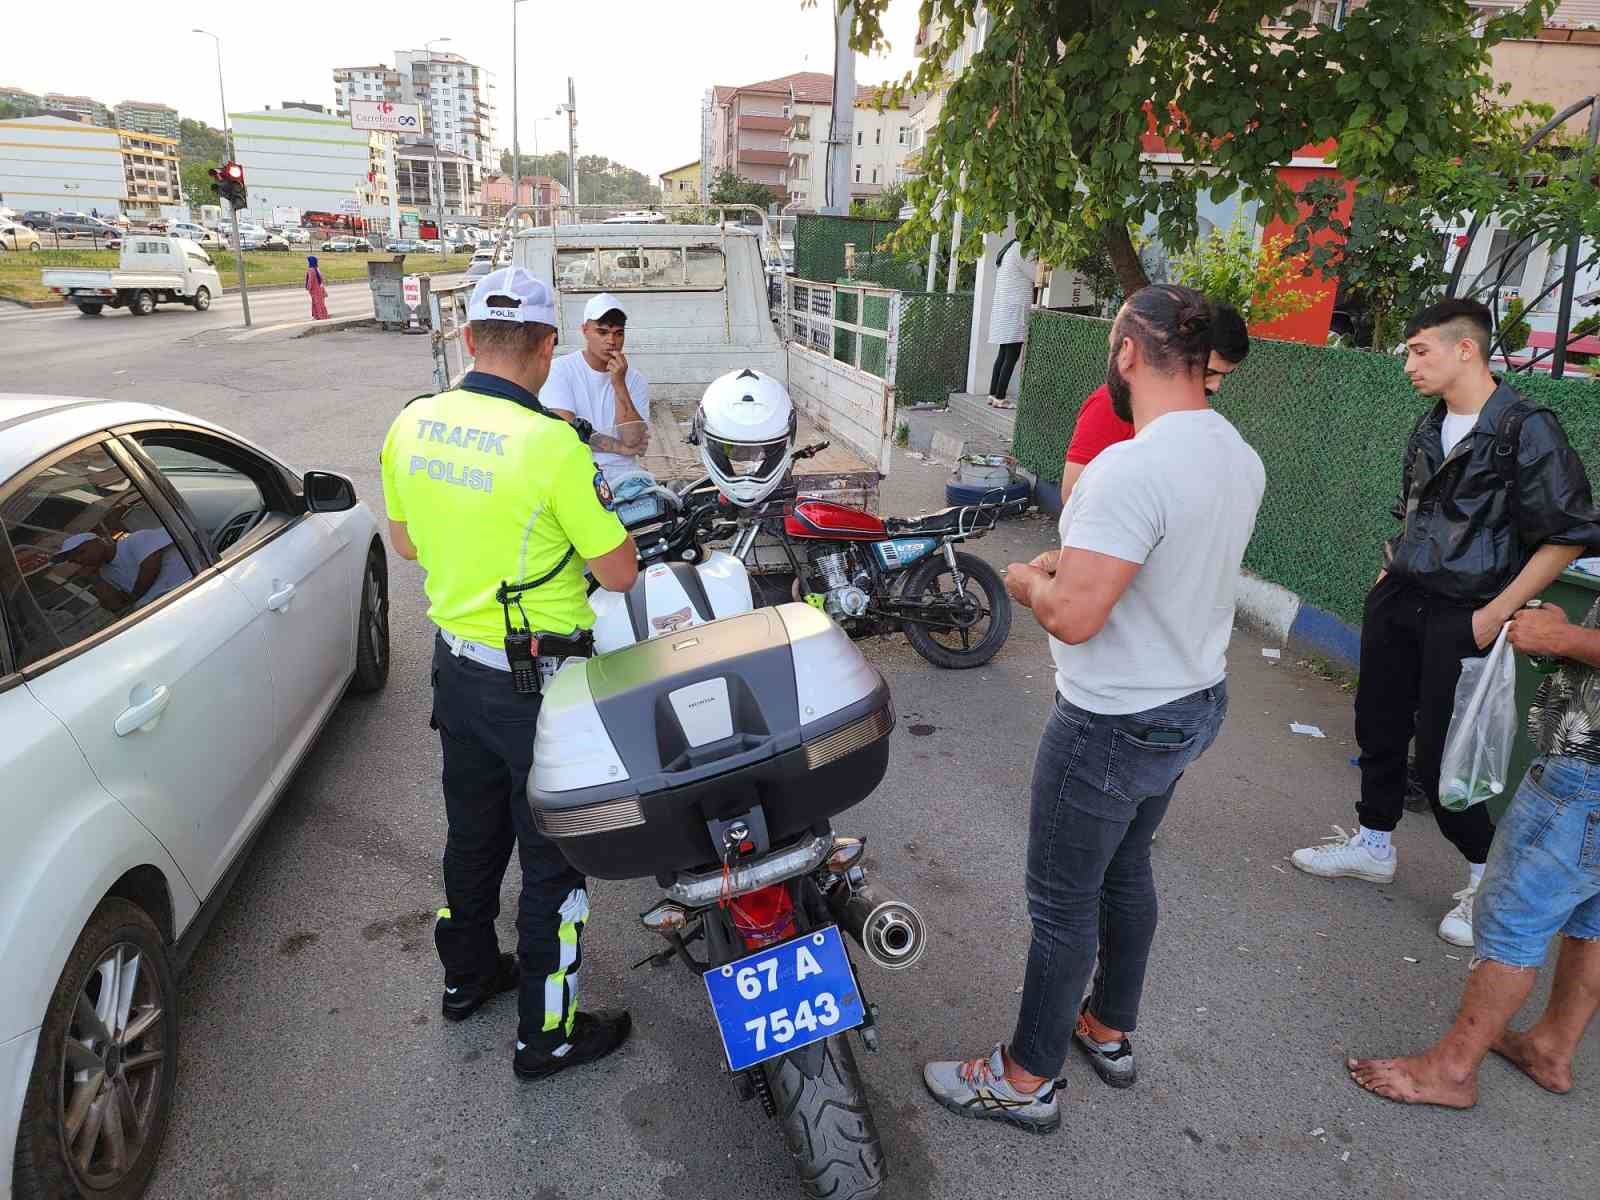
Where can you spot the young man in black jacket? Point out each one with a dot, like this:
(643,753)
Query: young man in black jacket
(1495,505)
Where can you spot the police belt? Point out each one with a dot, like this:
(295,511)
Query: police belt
(578,644)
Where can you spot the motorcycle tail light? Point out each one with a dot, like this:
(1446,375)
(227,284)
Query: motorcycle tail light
(764,917)
(665,917)
(846,852)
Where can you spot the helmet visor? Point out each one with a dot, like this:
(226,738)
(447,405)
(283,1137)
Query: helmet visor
(747,460)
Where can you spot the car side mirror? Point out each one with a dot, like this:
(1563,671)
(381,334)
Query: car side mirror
(327,492)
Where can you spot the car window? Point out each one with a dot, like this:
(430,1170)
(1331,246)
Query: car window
(90,550)
(220,485)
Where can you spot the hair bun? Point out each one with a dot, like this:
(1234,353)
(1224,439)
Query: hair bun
(1194,324)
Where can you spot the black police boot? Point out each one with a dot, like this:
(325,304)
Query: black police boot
(467,997)
(594,1035)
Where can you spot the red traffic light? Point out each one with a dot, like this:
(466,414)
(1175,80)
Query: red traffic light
(234,172)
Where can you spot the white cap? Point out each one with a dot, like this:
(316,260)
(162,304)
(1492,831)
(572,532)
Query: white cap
(536,303)
(600,305)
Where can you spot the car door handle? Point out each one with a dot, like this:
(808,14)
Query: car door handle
(145,713)
(279,600)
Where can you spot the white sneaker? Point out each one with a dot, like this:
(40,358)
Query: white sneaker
(1456,928)
(1344,854)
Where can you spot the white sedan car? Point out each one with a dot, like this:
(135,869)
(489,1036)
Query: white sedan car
(179,614)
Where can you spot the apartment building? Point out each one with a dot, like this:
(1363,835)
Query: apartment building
(776,133)
(458,102)
(142,117)
(151,172)
(418,180)
(378,82)
(681,185)
(24,101)
(540,192)
(85,108)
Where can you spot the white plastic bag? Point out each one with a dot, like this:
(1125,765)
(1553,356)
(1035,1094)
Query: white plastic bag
(1483,726)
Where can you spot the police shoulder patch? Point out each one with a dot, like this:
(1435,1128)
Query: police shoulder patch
(602,492)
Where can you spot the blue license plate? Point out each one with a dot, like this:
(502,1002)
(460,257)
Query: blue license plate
(787,996)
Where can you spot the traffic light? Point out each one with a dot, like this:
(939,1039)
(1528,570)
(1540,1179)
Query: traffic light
(228,182)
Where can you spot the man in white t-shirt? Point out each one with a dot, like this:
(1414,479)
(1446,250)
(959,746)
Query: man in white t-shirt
(597,384)
(130,571)
(1139,605)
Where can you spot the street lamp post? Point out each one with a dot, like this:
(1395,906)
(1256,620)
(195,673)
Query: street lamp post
(538,121)
(438,205)
(516,144)
(233,213)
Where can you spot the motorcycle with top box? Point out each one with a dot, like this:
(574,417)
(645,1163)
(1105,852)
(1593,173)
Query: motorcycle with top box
(708,745)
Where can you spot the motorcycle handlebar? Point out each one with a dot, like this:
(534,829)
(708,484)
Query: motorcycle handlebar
(809,451)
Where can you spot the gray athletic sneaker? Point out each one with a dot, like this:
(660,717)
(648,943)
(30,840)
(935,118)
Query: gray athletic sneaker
(1112,1061)
(978,1088)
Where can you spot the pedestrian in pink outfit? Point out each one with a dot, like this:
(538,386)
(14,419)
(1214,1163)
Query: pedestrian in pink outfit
(317,288)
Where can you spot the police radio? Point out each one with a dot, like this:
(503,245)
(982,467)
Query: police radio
(521,646)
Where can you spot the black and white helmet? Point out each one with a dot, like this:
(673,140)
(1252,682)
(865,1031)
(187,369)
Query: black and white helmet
(745,427)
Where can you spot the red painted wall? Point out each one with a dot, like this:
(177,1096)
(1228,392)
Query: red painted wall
(1311,324)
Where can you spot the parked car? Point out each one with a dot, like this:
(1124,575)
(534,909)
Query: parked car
(297,237)
(401,246)
(482,263)
(17,237)
(78,225)
(274,241)
(341,245)
(156,730)
(155,269)
(37,219)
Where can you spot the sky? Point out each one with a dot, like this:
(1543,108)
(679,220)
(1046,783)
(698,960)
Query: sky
(640,66)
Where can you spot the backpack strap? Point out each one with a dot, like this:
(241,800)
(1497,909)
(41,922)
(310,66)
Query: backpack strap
(998,258)
(1506,444)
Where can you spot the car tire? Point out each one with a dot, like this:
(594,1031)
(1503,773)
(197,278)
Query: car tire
(372,625)
(34,248)
(90,310)
(50,1162)
(202,299)
(142,304)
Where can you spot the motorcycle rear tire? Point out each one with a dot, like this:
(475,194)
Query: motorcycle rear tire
(924,576)
(827,1123)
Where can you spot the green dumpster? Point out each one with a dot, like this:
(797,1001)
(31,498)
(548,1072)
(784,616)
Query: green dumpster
(1575,592)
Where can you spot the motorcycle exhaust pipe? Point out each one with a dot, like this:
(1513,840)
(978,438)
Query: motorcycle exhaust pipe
(890,931)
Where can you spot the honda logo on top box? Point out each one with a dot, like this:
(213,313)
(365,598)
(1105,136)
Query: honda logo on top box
(383,116)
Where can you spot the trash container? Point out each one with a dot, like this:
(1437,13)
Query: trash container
(1575,592)
(385,278)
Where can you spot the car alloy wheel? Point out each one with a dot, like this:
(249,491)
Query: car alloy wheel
(113,1066)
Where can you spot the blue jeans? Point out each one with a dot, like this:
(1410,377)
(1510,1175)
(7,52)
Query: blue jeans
(1543,876)
(1100,787)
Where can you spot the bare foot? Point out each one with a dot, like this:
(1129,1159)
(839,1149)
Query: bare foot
(1549,1071)
(1414,1080)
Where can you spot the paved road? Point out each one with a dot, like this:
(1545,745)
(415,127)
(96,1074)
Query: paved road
(314,1063)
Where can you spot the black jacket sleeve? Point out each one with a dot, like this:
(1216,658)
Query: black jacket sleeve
(1554,500)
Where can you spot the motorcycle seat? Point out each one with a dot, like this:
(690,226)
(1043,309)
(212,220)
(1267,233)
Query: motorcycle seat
(946,520)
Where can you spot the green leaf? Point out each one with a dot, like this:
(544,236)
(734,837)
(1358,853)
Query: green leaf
(1395,122)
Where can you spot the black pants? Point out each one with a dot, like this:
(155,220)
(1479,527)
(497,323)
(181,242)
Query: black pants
(1412,644)
(1004,363)
(487,732)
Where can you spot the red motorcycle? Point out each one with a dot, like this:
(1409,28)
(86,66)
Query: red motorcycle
(877,576)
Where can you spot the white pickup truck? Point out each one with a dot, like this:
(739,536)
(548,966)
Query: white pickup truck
(155,269)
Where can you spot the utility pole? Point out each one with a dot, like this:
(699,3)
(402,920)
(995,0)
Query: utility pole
(233,213)
(516,144)
(842,122)
(572,140)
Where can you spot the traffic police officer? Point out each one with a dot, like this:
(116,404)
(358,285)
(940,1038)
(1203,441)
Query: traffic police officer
(502,505)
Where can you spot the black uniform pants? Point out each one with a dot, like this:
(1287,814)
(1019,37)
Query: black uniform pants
(487,733)
(1412,644)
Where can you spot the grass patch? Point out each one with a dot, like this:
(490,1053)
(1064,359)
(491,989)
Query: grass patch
(19,273)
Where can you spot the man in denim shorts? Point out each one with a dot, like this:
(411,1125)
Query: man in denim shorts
(1543,878)
(1139,605)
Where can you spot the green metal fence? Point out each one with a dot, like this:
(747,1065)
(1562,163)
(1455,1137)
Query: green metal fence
(819,252)
(935,335)
(917,341)
(1329,424)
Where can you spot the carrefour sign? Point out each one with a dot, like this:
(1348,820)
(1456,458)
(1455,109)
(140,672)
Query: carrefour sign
(382,116)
